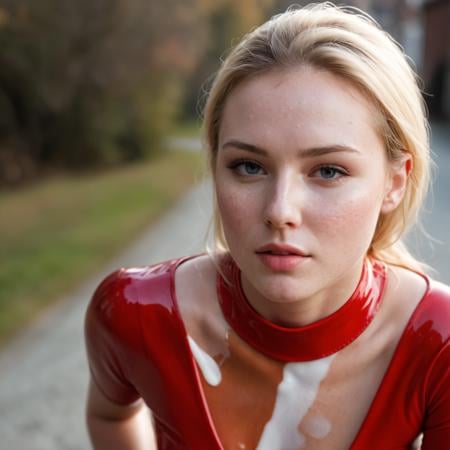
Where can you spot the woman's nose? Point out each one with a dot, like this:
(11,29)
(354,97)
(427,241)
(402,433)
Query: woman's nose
(283,207)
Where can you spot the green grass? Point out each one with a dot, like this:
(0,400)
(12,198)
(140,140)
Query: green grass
(56,233)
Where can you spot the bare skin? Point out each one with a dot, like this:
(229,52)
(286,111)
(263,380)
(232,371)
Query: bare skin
(356,372)
(128,427)
(300,162)
(113,426)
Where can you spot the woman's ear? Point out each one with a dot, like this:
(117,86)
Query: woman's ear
(396,183)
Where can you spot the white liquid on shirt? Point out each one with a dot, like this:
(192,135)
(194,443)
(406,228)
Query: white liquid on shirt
(209,368)
(296,393)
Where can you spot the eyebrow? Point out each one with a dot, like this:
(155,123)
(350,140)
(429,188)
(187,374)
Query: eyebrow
(305,153)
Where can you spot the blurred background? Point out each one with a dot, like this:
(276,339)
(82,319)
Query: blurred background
(93,94)
(92,83)
(100,105)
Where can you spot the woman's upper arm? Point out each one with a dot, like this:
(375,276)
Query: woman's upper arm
(110,336)
(99,405)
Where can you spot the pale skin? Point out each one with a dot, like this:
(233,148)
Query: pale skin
(113,426)
(300,161)
(321,178)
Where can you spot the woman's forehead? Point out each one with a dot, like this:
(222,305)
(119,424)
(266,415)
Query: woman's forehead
(302,104)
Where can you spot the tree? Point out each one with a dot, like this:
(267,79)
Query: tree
(226,22)
(89,82)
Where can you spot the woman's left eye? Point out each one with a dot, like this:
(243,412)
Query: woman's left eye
(329,172)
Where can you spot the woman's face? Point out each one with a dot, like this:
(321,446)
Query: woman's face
(299,164)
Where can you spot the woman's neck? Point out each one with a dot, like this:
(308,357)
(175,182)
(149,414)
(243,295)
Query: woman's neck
(304,310)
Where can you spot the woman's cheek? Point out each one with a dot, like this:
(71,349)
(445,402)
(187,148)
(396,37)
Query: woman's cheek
(235,207)
(356,216)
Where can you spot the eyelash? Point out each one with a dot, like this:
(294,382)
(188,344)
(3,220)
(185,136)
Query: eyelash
(337,170)
(241,162)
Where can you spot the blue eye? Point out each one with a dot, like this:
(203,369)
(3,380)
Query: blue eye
(251,168)
(246,167)
(330,172)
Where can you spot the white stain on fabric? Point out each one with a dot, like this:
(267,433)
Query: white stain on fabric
(316,426)
(210,369)
(295,395)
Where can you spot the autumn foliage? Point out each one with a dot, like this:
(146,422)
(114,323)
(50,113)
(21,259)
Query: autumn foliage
(91,82)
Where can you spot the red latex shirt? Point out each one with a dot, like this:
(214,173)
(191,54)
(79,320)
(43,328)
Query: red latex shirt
(138,346)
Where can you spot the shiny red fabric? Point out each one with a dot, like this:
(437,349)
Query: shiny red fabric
(137,347)
(317,340)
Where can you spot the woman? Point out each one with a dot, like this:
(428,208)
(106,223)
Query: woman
(309,326)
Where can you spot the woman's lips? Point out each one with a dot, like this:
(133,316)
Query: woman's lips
(280,256)
(281,262)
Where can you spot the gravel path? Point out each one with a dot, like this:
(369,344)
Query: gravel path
(43,374)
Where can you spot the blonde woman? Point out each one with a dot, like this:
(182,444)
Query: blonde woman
(309,325)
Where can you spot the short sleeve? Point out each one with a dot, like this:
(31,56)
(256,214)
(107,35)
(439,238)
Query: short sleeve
(109,338)
(436,426)
(437,421)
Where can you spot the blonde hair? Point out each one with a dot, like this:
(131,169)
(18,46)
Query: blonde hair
(349,44)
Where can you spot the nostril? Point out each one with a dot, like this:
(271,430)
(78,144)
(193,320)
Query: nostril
(281,213)
(282,222)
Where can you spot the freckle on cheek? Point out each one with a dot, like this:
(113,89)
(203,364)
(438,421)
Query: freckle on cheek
(349,215)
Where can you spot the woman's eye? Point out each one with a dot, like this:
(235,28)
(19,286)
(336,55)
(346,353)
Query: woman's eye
(329,172)
(246,168)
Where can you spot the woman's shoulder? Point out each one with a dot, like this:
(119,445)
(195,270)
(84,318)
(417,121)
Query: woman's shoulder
(125,283)
(430,327)
(439,293)
(433,312)
(430,295)
(114,302)
(417,311)
(427,300)
(195,282)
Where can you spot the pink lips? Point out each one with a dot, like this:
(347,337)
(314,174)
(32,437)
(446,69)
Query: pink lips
(281,257)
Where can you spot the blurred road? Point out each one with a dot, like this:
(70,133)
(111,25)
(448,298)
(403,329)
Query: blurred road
(43,374)
(435,248)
